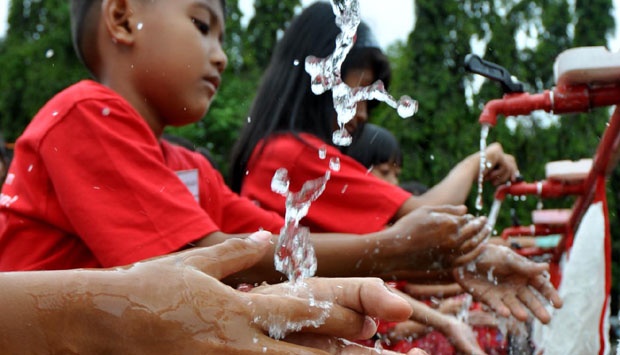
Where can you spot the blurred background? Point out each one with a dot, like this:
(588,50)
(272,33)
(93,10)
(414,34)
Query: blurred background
(426,41)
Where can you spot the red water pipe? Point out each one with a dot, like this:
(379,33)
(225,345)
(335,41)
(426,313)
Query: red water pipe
(544,189)
(605,160)
(532,230)
(563,99)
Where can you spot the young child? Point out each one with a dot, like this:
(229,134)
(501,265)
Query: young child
(93,185)
(377,149)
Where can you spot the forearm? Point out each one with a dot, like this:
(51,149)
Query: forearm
(51,312)
(455,187)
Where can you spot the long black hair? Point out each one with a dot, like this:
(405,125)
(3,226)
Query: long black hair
(284,102)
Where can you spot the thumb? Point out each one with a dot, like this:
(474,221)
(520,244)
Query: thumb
(231,256)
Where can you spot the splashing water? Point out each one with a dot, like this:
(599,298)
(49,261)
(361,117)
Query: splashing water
(484,133)
(278,324)
(325,75)
(463,313)
(294,253)
(334,164)
(497,204)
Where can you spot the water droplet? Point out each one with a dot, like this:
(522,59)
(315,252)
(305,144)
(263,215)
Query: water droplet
(30,167)
(407,107)
(432,157)
(105,111)
(96,187)
(280,182)
(296,62)
(49,53)
(139,26)
(334,164)
(249,119)
(322,152)
(342,138)
(55,113)
(344,188)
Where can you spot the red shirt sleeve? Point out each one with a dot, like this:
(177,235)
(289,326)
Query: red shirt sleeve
(354,201)
(110,180)
(232,213)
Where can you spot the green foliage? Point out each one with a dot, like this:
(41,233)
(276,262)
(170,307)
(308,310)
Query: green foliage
(36,59)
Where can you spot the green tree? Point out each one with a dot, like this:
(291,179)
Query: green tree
(36,59)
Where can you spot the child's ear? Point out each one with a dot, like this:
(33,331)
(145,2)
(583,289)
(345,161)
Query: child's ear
(116,15)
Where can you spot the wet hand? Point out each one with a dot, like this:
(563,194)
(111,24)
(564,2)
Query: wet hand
(509,283)
(440,237)
(501,167)
(178,305)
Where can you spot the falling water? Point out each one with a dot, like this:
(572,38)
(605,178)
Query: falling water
(294,253)
(484,133)
(325,75)
(492,218)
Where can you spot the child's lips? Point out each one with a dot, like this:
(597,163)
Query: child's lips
(212,82)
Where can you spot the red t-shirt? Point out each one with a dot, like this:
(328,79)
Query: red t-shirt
(90,185)
(354,201)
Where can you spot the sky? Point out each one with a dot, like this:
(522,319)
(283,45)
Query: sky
(390,20)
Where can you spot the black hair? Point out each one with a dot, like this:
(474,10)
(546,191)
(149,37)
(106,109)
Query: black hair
(375,145)
(84,28)
(416,188)
(284,102)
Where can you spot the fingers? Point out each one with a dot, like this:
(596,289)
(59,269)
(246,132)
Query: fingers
(503,167)
(517,309)
(366,296)
(467,257)
(232,256)
(449,209)
(354,299)
(473,233)
(331,345)
(545,287)
(296,313)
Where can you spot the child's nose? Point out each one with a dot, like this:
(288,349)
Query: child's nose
(219,58)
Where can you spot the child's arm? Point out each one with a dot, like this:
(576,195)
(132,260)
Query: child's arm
(176,305)
(437,238)
(455,187)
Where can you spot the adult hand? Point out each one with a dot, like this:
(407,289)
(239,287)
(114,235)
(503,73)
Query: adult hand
(509,283)
(436,238)
(502,167)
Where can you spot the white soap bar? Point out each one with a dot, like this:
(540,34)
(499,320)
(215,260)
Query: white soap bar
(587,65)
(567,170)
(551,216)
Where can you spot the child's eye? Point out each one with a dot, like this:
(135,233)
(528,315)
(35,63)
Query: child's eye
(201,26)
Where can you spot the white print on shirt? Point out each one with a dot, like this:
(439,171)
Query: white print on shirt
(190,179)
(7,201)
(9,178)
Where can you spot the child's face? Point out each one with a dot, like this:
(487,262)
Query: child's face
(388,172)
(357,78)
(178,58)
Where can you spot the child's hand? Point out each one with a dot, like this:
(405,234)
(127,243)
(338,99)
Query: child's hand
(502,166)
(509,283)
(177,304)
(438,237)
